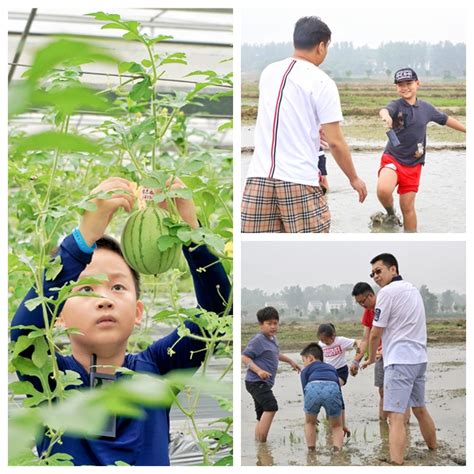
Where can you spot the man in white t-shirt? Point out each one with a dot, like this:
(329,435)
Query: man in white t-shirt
(400,317)
(296,100)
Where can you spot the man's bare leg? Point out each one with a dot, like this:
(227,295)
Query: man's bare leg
(427,426)
(397,437)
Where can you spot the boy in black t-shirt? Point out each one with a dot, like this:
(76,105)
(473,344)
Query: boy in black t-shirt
(401,163)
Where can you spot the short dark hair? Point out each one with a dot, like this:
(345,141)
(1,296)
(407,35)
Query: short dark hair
(387,259)
(268,313)
(313,349)
(361,288)
(309,32)
(109,243)
(327,329)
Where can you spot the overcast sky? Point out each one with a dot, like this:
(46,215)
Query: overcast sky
(271,266)
(394,22)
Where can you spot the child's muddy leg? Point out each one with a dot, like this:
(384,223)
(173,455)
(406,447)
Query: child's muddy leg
(407,206)
(310,423)
(263,426)
(385,186)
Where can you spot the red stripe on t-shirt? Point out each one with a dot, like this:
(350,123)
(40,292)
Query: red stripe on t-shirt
(276,119)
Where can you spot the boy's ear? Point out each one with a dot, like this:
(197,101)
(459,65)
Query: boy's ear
(139,312)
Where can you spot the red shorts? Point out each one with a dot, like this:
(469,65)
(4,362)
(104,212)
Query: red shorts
(408,177)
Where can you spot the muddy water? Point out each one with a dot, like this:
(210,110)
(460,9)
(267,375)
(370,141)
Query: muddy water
(440,203)
(368,445)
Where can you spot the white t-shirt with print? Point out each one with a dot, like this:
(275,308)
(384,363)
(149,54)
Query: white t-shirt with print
(335,353)
(295,98)
(400,311)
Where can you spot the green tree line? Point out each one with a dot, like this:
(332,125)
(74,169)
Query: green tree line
(345,61)
(295,300)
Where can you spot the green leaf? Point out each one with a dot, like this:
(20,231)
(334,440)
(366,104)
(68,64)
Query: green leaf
(68,100)
(57,141)
(22,343)
(174,58)
(159,38)
(41,354)
(35,302)
(164,315)
(225,461)
(141,91)
(64,51)
(26,388)
(105,16)
(130,66)
(226,126)
(114,26)
(59,459)
(54,268)
(166,242)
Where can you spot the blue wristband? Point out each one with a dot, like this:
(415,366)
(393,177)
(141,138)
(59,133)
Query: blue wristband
(81,243)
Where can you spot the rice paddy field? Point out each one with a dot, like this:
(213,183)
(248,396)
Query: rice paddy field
(361,102)
(368,443)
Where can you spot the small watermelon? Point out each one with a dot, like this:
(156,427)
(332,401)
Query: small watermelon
(140,242)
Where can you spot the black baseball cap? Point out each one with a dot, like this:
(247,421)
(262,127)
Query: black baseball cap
(405,74)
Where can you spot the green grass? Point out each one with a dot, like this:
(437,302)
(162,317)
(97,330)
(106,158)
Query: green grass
(361,102)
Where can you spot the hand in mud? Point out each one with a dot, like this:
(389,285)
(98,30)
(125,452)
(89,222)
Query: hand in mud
(366,364)
(296,367)
(388,121)
(354,370)
(263,374)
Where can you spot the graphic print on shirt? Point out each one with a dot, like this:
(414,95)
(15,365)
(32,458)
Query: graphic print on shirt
(276,118)
(332,351)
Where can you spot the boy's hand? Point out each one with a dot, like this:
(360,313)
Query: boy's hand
(295,366)
(263,374)
(385,116)
(185,207)
(94,223)
(354,369)
(323,182)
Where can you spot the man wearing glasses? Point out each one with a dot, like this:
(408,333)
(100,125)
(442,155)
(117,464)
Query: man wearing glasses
(400,317)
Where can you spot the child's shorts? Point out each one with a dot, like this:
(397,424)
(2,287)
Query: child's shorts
(272,205)
(408,177)
(343,373)
(323,394)
(263,397)
(404,386)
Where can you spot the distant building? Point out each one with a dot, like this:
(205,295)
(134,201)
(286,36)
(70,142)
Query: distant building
(316,305)
(335,305)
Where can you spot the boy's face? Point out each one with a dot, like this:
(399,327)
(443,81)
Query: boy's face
(407,89)
(308,359)
(328,340)
(269,327)
(107,322)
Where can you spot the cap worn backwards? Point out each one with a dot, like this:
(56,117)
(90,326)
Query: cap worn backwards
(405,74)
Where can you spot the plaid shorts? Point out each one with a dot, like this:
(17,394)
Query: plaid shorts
(272,205)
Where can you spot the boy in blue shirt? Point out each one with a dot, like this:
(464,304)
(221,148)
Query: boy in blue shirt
(321,389)
(401,162)
(105,324)
(261,358)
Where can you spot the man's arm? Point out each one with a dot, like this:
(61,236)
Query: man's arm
(294,365)
(342,155)
(374,343)
(455,124)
